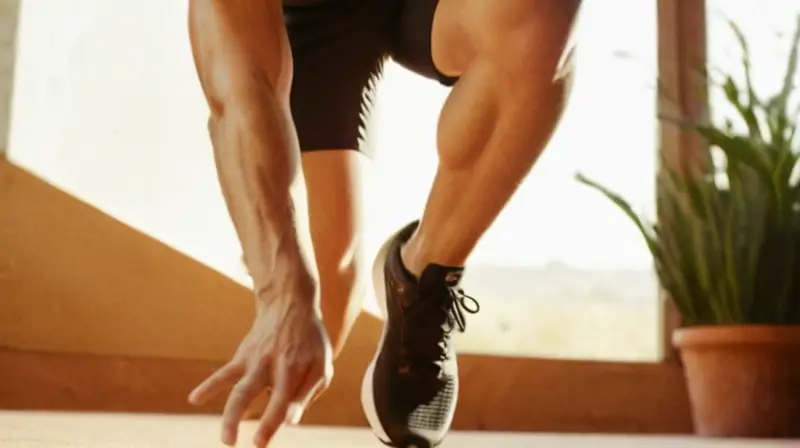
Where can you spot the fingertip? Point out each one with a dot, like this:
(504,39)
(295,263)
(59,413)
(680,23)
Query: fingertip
(228,437)
(198,396)
(264,434)
(259,442)
(230,431)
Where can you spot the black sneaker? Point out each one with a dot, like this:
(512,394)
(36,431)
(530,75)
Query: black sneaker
(410,390)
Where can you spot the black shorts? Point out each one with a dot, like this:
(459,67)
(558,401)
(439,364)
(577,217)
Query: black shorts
(339,48)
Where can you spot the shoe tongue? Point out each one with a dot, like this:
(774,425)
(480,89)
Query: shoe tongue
(436,277)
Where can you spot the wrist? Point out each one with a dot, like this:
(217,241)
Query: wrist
(291,281)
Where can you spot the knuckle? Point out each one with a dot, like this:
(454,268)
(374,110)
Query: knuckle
(240,391)
(262,363)
(294,366)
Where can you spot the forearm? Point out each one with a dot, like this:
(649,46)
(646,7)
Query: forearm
(244,64)
(257,161)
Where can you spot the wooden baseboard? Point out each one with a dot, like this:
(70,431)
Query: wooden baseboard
(498,394)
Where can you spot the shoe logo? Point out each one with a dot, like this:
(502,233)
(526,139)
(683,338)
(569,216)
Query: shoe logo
(452,277)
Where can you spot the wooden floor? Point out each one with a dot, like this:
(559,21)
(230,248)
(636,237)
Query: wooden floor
(51,430)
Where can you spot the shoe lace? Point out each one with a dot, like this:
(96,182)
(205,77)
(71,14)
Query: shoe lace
(428,327)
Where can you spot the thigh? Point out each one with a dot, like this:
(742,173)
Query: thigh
(504,30)
(412,43)
(338,50)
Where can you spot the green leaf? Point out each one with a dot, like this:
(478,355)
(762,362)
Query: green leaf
(791,70)
(726,245)
(751,93)
(745,111)
(738,148)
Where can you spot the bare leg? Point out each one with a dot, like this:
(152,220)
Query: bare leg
(334,206)
(497,120)
(494,125)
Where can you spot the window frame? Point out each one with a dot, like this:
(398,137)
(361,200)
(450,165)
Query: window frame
(8,43)
(682,51)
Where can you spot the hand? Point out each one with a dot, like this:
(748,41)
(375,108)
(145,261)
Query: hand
(287,351)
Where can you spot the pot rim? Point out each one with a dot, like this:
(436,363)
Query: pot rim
(715,335)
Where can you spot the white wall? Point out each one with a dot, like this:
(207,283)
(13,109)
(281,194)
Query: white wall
(107,106)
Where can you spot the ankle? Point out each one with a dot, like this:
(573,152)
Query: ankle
(411,257)
(417,254)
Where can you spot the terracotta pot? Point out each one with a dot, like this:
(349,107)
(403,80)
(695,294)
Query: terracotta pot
(743,381)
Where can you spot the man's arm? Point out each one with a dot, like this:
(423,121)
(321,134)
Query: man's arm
(244,62)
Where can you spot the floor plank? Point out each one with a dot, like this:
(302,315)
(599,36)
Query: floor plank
(81,430)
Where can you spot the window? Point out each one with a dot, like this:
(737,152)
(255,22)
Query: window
(114,115)
(768,28)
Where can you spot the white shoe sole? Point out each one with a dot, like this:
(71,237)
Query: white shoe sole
(367,391)
(367,394)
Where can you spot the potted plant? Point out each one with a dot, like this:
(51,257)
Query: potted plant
(726,250)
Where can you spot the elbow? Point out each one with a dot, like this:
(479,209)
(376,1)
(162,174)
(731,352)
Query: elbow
(248,91)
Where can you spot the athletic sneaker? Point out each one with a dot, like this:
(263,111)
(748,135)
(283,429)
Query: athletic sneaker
(410,390)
